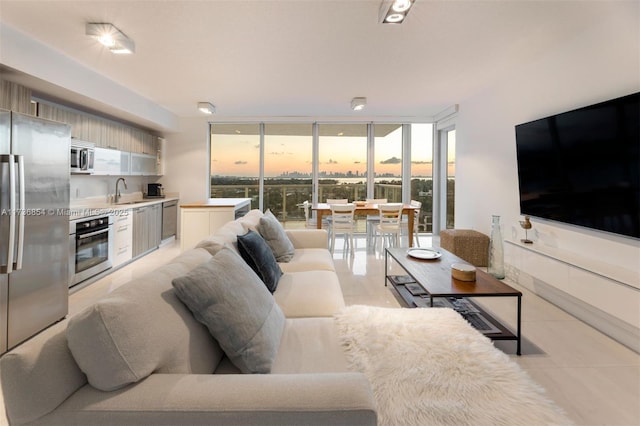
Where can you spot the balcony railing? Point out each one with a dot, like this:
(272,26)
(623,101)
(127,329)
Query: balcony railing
(285,199)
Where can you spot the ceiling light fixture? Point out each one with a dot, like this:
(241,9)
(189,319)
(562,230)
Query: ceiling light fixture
(206,107)
(111,37)
(358,104)
(394,11)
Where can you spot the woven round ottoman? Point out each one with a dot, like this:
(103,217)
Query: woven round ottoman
(467,244)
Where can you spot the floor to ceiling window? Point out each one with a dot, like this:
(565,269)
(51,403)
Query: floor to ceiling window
(387,162)
(422,173)
(281,165)
(451,177)
(235,162)
(342,161)
(287,169)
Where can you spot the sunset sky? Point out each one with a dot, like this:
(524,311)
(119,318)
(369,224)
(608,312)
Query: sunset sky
(239,154)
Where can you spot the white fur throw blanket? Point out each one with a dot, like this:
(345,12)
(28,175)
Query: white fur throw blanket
(430,367)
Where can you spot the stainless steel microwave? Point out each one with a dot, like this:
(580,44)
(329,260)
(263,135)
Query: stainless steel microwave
(82,154)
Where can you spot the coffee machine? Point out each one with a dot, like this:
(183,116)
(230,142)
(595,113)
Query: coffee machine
(155,190)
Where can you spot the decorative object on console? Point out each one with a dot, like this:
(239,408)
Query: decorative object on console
(496,249)
(463,272)
(526,225)
(449,374)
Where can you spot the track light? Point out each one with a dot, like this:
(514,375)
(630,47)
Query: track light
(358,104)
(206,107)
(111,37)
(394,11)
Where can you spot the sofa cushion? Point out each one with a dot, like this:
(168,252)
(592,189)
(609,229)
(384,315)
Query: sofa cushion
(140,328)
(213,244)
(309,294)
(274,234)
(229,298)
(307,346)
(251,220)
(310,345)
(309,259)
(258,255)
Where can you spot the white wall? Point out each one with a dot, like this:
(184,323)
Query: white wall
(187,161)
(601,63)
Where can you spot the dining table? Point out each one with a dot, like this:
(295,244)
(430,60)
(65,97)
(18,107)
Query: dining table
(364,209)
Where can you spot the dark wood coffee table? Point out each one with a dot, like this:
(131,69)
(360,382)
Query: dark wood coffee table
(434,276)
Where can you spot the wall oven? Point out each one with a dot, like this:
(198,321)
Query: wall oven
(90,245)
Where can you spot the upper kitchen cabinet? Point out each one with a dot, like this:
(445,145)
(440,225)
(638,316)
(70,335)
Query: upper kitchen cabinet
(144,164)
(104,133)
(14,97)
(111,162)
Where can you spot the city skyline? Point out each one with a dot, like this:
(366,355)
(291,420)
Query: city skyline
(239,154)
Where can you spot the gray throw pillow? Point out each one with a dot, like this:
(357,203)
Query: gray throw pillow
(274,234)
(258,255)
(228,297)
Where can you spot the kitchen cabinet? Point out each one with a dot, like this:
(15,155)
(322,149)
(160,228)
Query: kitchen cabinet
(122,237)
(111,162)
(143,164)
(147,228)
(199,220)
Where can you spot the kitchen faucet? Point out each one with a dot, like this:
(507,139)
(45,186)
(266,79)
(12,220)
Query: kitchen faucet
(118,195)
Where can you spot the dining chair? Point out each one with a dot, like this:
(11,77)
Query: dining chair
(413,233)
(343,223)
(389,226)
(334,201)
(373,219)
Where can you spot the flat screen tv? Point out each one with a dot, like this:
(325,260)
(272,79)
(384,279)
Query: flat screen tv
(582,167)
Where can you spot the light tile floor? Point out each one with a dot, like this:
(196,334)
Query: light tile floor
(593,378)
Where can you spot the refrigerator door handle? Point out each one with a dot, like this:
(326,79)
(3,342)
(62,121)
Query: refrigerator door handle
(10,160)
(22,209)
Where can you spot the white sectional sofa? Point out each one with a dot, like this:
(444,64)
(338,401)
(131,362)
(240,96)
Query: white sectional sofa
(139,356)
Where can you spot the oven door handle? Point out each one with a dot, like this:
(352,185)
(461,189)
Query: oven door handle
(91,234)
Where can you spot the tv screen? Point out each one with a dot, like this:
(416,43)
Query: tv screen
(582,167)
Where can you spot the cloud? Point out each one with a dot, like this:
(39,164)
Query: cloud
(240,162)
(357,162)
(276,153)
(332,161)
(392,160)
(421,162)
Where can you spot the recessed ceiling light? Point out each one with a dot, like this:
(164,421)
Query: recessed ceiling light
(394,11)
(358,104)
(206,107)
(394,18)
(401,5)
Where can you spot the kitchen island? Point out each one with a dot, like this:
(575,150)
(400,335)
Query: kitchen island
(200,219)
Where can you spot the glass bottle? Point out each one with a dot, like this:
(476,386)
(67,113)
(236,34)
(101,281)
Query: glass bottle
(496,249)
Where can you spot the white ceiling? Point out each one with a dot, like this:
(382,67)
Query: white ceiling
(303,57)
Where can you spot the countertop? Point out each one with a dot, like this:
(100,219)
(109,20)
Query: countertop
(218,202)
(92,208)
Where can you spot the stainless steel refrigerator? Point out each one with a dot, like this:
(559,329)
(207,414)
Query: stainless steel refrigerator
(34,226)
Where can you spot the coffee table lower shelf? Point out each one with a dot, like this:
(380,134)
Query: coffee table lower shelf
(407,299)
